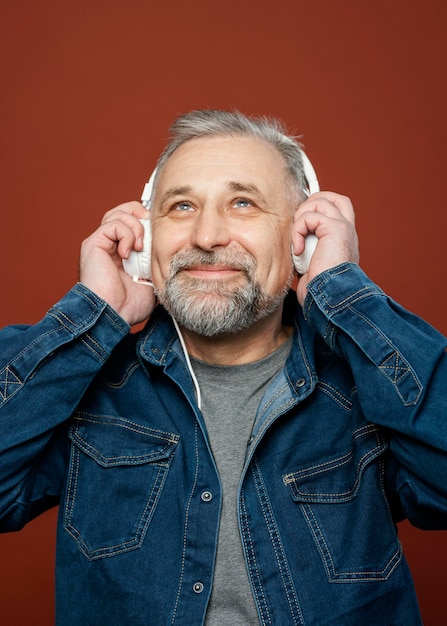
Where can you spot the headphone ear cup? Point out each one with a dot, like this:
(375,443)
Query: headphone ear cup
(138,264)
(302,262)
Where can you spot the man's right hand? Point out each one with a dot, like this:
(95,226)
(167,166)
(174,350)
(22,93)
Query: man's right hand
(101,262)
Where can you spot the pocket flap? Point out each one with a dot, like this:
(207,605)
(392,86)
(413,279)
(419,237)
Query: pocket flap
(112,441)
(338,479)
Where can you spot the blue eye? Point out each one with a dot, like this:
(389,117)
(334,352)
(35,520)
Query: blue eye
(242,202)
(183,206)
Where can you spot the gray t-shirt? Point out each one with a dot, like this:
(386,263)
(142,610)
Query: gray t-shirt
(230,399)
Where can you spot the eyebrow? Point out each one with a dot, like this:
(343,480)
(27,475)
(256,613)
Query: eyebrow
(175,191)
(235,186)
(248,188)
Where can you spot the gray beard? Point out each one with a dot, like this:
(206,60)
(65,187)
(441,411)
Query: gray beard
(213,307)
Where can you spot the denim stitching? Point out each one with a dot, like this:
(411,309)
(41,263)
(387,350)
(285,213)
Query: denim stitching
(333,576)
(354,298)
(293,478)
(281,409)
(363,431)
(134,459)
(90,296)
(275,538)
(124,379)
(144,520)
(125,546)
(304,356)
(94,347)
(66,322)
(272,400)
(336,497)
(329,333)
(360,294)
(113,320)
(60,317)
(83,416)
(99,307)
(17,358)
(253,565)
(400,368)
(9,378)
(397,372)
(72,480)
(185,531)
(333,393)
(319,540)
(130,544)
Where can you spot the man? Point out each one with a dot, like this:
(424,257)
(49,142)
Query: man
(244,458)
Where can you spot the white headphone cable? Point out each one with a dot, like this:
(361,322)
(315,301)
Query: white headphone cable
(188,362)
(185,350)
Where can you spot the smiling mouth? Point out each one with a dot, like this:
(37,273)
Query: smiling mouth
(212,271)
(222,266)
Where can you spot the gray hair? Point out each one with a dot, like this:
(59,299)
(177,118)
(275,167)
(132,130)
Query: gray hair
(212,123)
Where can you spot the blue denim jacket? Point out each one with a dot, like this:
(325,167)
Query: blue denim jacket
(350,438)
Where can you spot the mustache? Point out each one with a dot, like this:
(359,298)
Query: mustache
(233,259)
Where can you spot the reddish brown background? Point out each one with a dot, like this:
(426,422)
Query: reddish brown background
(88,91)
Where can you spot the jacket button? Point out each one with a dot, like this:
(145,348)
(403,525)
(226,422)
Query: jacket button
(300,382)
(207,496)
(198,587)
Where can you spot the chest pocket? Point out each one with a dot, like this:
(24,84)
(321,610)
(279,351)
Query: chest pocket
(345,507)
(117,472)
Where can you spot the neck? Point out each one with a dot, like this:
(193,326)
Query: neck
(246,346)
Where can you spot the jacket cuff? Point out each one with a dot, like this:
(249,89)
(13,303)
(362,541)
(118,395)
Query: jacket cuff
(332,292)
(82,312)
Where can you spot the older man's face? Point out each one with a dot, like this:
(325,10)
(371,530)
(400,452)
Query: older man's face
(221,224)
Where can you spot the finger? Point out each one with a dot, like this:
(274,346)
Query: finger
(133,208)
(316,214)
(115,237)
(328,203)
(134,224)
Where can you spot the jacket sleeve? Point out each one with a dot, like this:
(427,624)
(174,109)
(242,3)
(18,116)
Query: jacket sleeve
(44,371)
(399,364)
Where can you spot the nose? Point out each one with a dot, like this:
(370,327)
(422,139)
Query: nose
(210,229)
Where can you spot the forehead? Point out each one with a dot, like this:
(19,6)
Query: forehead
(224,157)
